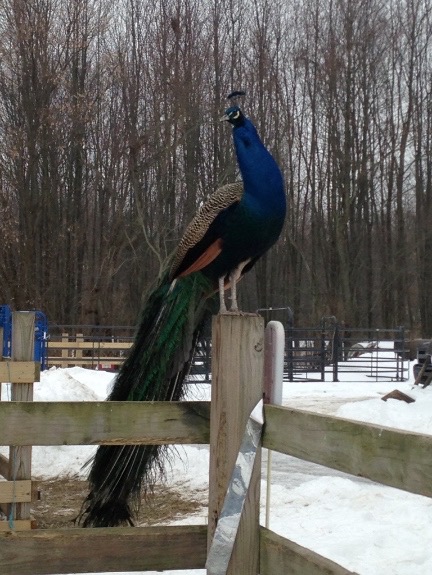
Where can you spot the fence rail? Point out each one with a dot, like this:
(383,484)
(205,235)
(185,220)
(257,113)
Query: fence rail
(101,549)
(113,422)
(389,456)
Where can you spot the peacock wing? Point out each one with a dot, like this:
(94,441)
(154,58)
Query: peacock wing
(199,246)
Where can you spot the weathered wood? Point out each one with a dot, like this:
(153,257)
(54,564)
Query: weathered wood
(4,463)
(84,361)
(98,550)
(393,457)
(80,344)
(237,380)
(91,423)
(281,556)
(18,525)
(98,350)
(65,339)
(18,491)
(23,332)
(79,340)
(19,371)
(399,395)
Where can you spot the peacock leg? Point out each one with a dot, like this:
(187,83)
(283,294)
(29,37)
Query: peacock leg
(234,278)
(222,306)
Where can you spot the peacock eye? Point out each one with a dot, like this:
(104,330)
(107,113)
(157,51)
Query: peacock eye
(236,115)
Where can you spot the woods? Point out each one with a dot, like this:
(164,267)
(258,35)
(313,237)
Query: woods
(110,139)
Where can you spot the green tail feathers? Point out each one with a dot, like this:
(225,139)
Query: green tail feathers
(155,369)
(164,342)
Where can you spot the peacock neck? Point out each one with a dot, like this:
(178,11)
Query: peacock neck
(262,178)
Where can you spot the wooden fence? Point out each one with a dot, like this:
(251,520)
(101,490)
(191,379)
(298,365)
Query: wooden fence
(391,457)
(69,350)
(21,373)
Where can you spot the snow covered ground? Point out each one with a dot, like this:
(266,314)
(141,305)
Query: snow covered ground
(367,528)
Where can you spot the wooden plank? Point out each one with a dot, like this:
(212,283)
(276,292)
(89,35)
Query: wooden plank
(41,552)
(393,457)
(109,422)
(4,465)
(18,525)
(237,368)
(281,556)
(23,330)
(92,360)
(15,491)
(19,371)
(79,339)
(23,335)
(89,345)
(65,339)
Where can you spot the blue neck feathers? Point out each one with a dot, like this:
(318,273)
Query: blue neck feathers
(262,178)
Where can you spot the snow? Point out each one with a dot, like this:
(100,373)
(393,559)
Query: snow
(366,527)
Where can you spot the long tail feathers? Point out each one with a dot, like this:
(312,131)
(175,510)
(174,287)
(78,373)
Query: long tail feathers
(154,371)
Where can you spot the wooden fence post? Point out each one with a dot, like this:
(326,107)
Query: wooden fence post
(237,386)
(79,338)
(65,352)
(23,329)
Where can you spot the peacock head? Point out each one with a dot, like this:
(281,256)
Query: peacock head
(234,116)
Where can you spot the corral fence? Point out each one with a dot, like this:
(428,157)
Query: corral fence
(310,353)
(388,456)
(106,347)
(379,353)
(92,346)
(333,348)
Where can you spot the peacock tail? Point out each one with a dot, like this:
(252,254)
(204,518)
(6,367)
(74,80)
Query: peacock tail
(155,369)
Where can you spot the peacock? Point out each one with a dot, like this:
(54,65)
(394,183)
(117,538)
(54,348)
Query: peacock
(236,226)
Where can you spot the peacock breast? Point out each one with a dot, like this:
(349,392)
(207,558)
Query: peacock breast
(251,231)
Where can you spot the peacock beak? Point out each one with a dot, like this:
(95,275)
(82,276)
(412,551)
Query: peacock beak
(224,118)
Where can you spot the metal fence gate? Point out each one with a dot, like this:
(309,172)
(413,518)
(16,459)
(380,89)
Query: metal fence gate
(378,353)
